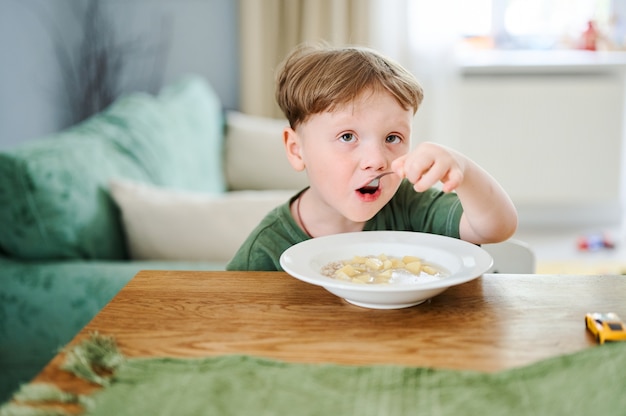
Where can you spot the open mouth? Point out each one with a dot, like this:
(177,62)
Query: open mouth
(370,188)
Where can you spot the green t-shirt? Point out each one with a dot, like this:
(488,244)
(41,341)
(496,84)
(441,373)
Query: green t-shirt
(432,212)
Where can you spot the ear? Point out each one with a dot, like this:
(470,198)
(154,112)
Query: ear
(293,147)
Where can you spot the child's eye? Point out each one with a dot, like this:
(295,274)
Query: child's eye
(393,138)
(347,137)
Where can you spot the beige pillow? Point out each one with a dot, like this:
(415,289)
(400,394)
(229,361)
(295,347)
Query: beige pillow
(166,224)
(255,156)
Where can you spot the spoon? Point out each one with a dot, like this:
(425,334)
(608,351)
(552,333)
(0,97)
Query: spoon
(373,184)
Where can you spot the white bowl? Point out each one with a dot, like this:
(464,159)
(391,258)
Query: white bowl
(464,261)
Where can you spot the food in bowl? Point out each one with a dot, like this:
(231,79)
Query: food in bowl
(383,269)
(459,262)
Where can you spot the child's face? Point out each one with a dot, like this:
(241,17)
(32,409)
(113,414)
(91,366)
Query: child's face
(343,150)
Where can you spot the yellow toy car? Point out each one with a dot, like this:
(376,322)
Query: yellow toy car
(606,326)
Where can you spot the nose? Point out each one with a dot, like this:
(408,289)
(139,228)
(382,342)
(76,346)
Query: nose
(374,156)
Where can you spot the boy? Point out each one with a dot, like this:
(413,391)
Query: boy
(350,113)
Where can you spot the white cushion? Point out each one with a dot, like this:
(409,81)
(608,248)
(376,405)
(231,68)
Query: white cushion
(165,224)
(255,155)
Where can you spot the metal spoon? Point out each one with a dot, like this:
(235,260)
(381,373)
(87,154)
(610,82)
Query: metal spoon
(373,184)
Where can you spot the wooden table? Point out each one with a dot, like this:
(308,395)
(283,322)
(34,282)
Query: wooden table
(492,323)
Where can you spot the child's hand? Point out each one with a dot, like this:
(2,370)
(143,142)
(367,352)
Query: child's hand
(430,163)
(488,213)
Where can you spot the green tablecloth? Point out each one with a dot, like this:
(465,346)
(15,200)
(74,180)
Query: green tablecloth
(590,382)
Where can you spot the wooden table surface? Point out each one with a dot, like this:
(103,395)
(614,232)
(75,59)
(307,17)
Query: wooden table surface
(492,323)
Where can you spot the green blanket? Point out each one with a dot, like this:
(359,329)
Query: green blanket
(591,382)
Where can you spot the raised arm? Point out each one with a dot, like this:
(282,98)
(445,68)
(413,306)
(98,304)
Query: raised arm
(488,213)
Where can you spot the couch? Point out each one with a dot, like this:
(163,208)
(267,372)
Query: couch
(165,181)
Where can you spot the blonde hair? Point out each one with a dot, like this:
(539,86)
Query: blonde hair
(314,79)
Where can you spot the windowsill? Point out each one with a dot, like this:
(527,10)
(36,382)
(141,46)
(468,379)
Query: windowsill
(493,62)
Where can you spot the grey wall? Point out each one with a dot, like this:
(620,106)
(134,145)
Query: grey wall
(162,40)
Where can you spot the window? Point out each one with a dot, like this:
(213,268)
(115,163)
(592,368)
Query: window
(540,24)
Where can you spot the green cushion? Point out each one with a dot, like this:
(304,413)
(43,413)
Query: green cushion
(196,123)
(54,200)
(177,137)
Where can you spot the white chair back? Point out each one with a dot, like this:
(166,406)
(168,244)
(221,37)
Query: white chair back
(511,256)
